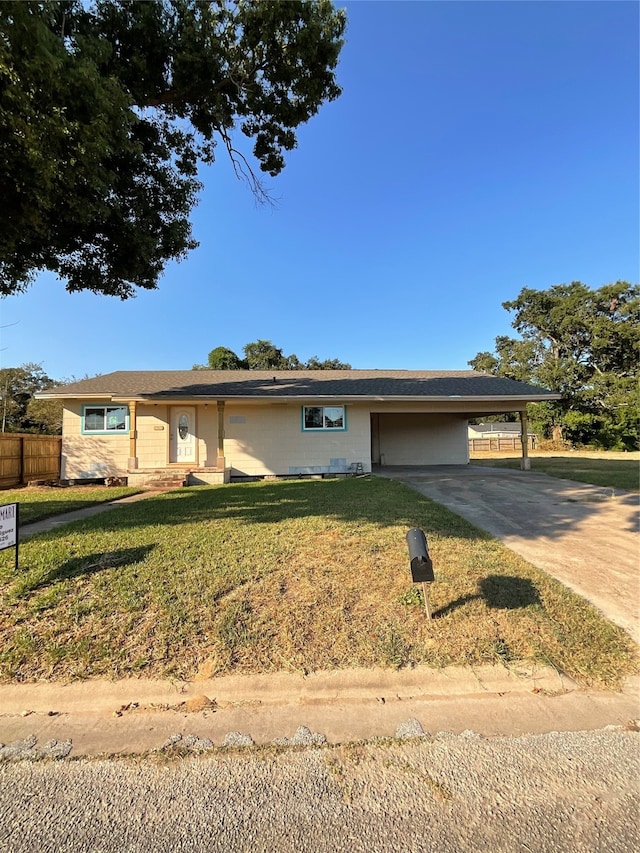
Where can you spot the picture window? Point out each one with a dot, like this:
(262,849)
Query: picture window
(105,419)
(323,418)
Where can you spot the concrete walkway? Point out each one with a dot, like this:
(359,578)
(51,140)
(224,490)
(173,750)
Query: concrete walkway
(585,536)
(55,521)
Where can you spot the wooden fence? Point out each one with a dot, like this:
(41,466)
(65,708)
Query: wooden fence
(513,443)
(25,457)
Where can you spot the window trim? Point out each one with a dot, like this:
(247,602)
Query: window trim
(105,406)
(324,428)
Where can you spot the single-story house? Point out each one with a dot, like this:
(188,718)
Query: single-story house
(218,425)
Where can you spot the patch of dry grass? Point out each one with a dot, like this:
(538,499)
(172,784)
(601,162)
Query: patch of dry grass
(294,575)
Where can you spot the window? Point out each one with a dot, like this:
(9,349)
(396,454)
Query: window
(323,417)
(105,419)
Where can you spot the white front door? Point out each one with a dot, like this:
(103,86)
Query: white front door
(183,440)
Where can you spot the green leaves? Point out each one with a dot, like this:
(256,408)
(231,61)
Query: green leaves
(19,410)
(106,111)
(263,355)
(584,344)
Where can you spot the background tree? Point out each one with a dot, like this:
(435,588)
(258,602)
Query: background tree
(107,109)
(314,363)
(585,345)
(264,355)
(19,411)
(222,358)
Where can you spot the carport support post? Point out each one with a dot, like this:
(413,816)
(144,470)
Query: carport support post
(132,462)
(220,463)
(525,462)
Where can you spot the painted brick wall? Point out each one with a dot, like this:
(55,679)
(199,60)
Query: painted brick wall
(270,440)
(90,456)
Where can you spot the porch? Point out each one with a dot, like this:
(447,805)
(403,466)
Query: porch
(184,448)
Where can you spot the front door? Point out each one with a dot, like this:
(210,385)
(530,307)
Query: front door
(183,440)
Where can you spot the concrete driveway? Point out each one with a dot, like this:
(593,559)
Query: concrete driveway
(586,536)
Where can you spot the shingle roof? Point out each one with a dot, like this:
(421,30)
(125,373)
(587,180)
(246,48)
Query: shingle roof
(346,384)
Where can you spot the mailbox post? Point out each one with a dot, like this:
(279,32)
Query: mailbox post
(421,565)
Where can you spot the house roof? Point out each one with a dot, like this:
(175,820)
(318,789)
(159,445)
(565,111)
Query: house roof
(414,385)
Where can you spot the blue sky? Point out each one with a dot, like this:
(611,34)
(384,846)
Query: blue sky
(478,148)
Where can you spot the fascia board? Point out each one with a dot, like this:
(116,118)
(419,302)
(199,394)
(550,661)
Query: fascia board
(285,398)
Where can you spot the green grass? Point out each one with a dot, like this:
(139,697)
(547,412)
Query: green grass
(38,502)
(295,575)
(613,473)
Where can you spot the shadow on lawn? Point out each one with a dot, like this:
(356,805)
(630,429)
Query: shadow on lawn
(502,592)
(359,501)
(90,564)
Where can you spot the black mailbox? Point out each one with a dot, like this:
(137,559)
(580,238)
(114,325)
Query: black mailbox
(421,565)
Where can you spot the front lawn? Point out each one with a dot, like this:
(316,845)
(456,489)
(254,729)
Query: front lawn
(619,471)
(295,575)
(38,502)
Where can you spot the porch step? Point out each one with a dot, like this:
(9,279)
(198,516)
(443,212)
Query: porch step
(176,481)
(175,478)
(163,479)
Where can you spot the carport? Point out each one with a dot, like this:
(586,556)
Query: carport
(436,433)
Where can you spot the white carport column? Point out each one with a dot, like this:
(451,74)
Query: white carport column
(525,462)
(220,463)
(132,462)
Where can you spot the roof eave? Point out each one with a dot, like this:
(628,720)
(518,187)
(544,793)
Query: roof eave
(283,398)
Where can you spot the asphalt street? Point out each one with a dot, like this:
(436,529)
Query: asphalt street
(551,792)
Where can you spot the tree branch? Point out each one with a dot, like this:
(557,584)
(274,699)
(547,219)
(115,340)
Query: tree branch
(173,97)
(243,170)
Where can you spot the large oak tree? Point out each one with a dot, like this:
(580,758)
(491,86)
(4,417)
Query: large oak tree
(107,109)
(584,344)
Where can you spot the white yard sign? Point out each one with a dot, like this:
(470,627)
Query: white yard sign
(8,526)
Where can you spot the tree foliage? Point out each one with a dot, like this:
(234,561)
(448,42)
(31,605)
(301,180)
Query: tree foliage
(19,410)
(264,355)
(106,111)
(222,358)
(584,344)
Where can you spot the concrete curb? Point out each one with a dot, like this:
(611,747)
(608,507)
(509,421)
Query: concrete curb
(137,716)
(284,688)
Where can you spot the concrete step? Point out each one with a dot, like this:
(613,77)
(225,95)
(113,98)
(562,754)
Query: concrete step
(174,482)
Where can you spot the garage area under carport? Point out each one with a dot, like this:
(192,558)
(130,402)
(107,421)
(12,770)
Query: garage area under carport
(419,438)
(433,437)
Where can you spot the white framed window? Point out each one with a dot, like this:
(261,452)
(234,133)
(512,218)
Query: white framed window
(323,418)
(104,419)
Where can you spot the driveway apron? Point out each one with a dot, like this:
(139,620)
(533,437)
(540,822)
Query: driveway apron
(585,536)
